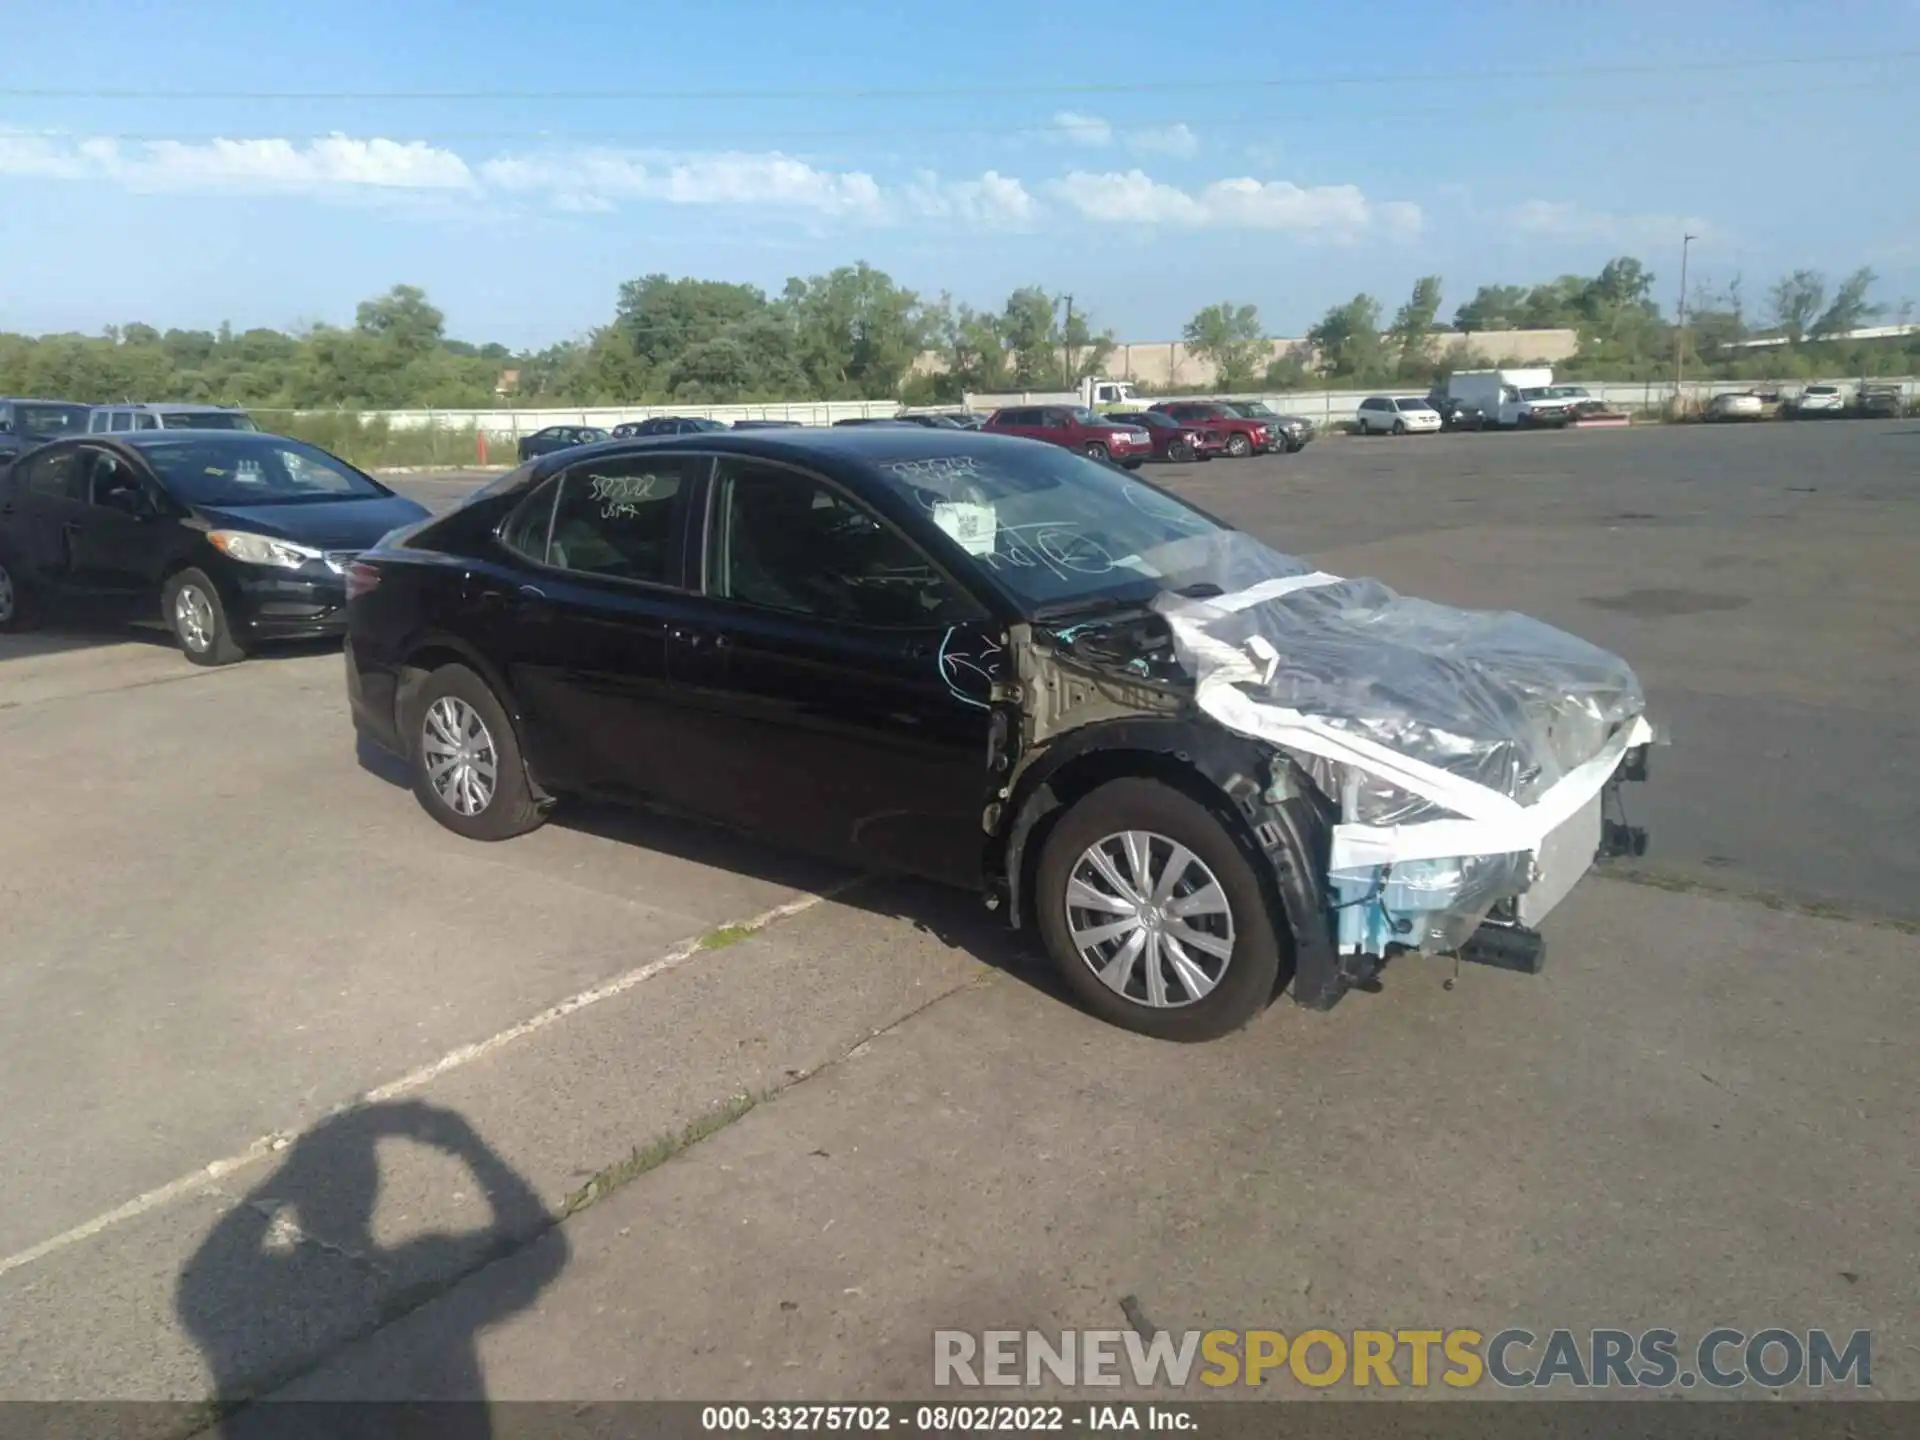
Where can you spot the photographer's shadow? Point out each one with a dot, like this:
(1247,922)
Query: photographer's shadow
(293,1271)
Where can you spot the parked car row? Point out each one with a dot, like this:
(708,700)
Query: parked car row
(26,423)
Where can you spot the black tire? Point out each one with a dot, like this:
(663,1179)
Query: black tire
(1246,986)
(19,606)
(1180,454)
(510,809)
(209,640)
(1238,446)
(1399,427)
(1096,451)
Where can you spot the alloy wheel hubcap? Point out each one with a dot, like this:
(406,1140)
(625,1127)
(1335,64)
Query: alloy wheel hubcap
(193,617)
(1149,919)
(457,749)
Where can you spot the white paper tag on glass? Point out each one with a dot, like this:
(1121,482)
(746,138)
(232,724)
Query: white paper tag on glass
(970,524)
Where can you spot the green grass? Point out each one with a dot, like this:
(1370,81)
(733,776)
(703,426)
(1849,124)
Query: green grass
(726,935)
(662,1148)
(374,443)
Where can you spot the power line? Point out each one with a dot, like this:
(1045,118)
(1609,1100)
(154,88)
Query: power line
(707,136)
(1290,82)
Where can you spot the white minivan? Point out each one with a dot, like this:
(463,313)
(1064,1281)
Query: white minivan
(1395,415)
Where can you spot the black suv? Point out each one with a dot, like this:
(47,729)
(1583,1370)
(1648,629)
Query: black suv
(27,423)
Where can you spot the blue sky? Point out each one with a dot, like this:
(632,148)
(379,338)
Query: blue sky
(1147,159)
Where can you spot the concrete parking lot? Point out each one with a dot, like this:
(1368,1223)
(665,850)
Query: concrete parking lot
(221,929)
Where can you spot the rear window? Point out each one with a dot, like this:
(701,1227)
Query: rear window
(205,420)
(1822,390)
(46,422)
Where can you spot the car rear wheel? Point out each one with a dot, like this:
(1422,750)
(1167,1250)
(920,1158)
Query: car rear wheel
(1096,451)
(1154,916)
(467,770)
(191,606)
(19,609)
(1238,446)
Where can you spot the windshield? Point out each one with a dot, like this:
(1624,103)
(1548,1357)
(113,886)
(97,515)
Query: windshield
(1567,392)
(204,470)
(1083,416)
(206,420)
(1538,392)
(1055,528)
(1822,390)
(1256,410)
(1415,405)
(45,422)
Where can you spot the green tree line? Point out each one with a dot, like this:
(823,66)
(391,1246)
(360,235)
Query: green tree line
(855,333)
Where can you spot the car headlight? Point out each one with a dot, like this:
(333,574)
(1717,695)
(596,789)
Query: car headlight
(250,549)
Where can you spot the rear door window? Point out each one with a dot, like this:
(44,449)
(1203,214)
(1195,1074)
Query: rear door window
(623,517)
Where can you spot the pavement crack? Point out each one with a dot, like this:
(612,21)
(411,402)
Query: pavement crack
(284,1233)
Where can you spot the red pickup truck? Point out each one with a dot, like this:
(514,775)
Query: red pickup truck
(1077,428)
(1244,437)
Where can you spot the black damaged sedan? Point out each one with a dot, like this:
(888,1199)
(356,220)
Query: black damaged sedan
(231,537)
(912,650)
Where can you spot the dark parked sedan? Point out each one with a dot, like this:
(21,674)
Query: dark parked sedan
(948,654)
(558,437)
(231,537)
(811,635)
(665,425)
(1457,414)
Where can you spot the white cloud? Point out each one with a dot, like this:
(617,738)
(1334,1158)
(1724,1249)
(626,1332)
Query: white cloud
(585,181)
(598,179)
(1082,129)
(334,163)
(994,201)
(1072,128)
(1332,211)
(1177,140)
(1565,220)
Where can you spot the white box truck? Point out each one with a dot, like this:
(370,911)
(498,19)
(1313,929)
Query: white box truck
(1496,394)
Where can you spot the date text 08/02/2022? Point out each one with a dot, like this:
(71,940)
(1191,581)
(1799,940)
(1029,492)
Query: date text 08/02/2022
(943,1419)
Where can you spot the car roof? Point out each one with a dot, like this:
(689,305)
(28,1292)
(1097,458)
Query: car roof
(190,407)
(141,439)
(809,444)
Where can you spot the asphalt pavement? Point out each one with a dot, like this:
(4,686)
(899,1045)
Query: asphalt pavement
(289,1064)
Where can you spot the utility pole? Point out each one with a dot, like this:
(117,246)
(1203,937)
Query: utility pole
(1680,323)
(1066,346)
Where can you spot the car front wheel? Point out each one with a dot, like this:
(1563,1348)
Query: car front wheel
(1096,451)
(1238,446)
(1154,916)
(467,770)
(194,612)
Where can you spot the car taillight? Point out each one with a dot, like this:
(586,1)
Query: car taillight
(361,578)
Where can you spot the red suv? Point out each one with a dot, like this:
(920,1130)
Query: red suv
(1077,428)
(1244,437)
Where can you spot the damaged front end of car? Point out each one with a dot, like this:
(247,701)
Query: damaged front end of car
(1410,776)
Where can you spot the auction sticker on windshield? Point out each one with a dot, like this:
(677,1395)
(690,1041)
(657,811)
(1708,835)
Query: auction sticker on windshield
(970,524)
